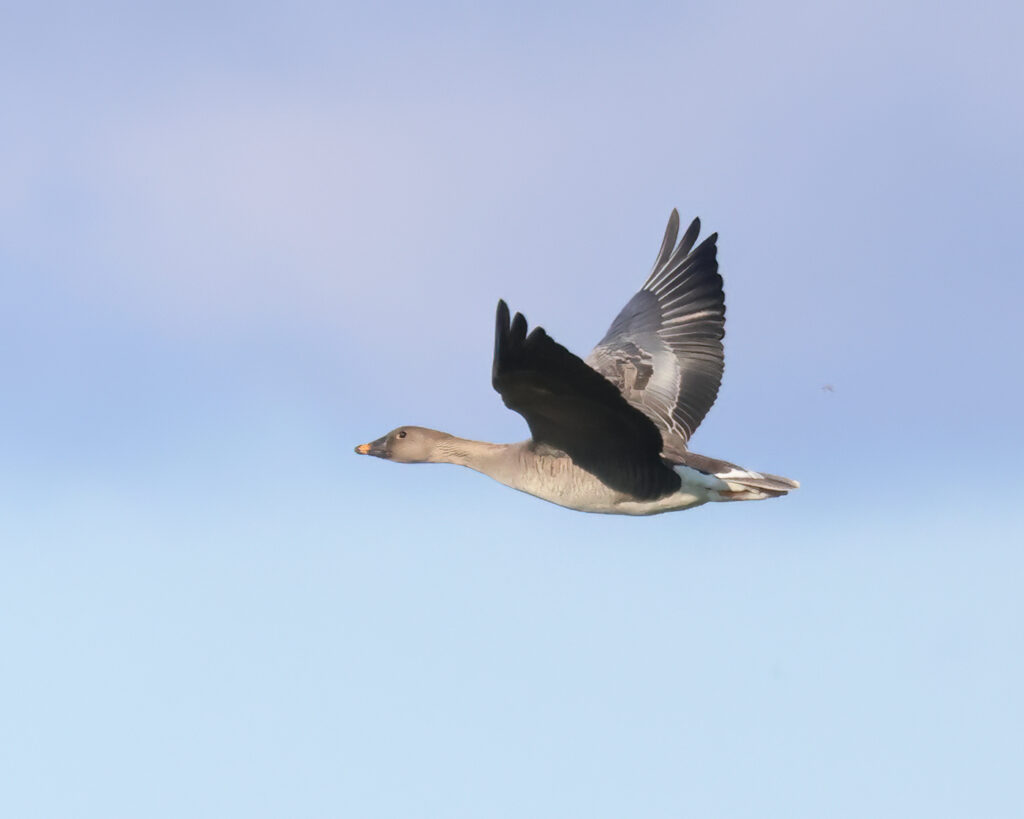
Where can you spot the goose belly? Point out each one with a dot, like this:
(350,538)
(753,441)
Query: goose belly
(561,482)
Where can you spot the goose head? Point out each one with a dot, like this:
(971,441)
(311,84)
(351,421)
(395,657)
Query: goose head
(406,445)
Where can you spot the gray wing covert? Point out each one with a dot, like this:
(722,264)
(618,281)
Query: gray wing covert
(664,349)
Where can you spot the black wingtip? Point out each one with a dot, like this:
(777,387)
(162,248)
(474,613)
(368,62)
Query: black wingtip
(669,242)
(500,336)
(708,245)
(509,337)
(517,332)
(686,243)
(501,321)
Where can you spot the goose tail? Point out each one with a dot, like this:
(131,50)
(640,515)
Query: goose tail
(742,484)
(734,483)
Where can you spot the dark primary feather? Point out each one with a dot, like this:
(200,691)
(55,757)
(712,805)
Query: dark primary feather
(571,407)
(664,349)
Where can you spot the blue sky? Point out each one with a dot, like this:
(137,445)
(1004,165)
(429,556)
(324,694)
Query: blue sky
(237,240)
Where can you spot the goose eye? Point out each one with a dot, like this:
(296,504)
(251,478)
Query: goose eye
(401,434)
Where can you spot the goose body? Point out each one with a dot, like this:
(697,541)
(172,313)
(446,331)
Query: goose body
(609,434)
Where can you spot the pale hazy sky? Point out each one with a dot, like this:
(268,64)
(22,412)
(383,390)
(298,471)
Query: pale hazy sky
(238,239)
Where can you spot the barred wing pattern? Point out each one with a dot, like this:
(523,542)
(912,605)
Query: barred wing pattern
(664,350)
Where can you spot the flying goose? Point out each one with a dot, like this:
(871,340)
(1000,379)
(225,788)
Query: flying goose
(609,434)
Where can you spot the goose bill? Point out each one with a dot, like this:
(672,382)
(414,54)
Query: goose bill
(376,448)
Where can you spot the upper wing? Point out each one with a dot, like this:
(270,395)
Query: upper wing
(664,350)
(571,407)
